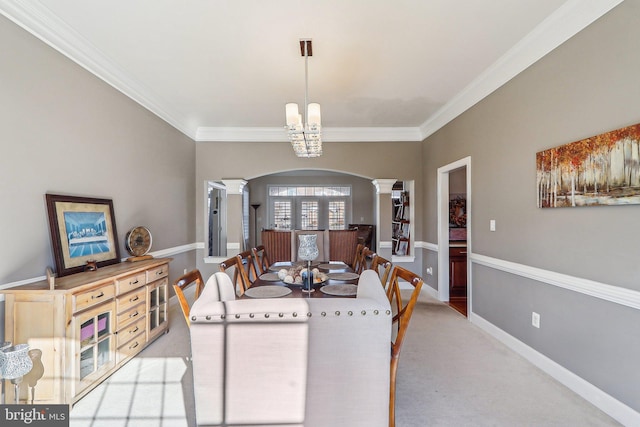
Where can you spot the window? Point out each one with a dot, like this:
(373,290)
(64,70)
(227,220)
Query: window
(309,215)
(309,207)
(337,215)
(281,214)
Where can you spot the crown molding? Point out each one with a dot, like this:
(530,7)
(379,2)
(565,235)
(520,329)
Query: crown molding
(46,26)
(277,134)
(571,18)
(568,20)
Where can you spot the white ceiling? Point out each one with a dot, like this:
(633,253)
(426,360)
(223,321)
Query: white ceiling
(382,70)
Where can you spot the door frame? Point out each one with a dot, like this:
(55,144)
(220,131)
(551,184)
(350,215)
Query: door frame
(443,229)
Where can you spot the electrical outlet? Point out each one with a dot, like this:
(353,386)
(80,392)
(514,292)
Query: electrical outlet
(430,271)
(492,225)
(185,271)
(535,319)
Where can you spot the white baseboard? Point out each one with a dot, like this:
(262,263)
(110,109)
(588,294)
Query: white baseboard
(606,403)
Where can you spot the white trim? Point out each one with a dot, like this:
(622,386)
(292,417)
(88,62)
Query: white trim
(276,134)
(443,226)
(571,18)
(605,402)
(403,258)
(156,254)
(386,245)
(45,25)
(568,20)
(426,245)
(616,294)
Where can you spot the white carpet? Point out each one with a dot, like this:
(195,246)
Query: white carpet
(451,375)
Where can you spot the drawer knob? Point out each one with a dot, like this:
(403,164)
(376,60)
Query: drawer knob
(134,283)
(134,346)
(134,299)
(133,331)
(100,295)
(132,315)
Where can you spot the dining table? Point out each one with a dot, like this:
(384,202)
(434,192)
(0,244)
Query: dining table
(333,279)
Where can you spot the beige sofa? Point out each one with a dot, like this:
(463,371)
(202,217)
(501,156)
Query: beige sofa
(313,362)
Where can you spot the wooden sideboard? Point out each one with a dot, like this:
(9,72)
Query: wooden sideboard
(87,327)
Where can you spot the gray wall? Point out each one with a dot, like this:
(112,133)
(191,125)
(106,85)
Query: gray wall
(62,130)
(218,160)
(587,86)
(362,190)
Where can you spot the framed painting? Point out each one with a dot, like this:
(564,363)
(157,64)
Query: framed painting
(83,232)
(595,171)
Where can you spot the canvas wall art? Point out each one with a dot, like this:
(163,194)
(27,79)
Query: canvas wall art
(600,170)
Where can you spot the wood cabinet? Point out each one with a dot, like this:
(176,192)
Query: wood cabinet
(88,326)
(457,271)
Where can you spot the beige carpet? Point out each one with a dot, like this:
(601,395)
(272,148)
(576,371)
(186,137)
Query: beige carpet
(452,375)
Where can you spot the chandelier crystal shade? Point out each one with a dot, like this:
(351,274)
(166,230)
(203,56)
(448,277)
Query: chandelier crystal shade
(305,132)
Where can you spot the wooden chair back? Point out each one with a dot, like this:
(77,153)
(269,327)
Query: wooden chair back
(249,266)
(181,284)
(383,267)
(261,259)
(401,316)
(277,244)
(342,245)
(240,278)
(359,261)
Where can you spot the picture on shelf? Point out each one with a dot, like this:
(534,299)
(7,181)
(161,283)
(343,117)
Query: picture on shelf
(83,230)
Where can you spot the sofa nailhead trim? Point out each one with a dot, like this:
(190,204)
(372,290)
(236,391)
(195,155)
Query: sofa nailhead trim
(363,312)
(193,318)
(350,313)
(266,315)
(208,317)
(222,316)
(388,312)
(323,314)
(309,314)
(251,315)
(280,314)
(237,316)
(295,314)
(376,312)
(337,313)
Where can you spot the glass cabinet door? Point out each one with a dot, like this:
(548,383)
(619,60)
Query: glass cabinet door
(95,343)
(157,299)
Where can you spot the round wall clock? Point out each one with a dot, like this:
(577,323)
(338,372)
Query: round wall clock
(138,241)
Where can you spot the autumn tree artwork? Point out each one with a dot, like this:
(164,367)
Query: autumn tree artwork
(600,170)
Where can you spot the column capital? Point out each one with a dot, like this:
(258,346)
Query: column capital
(234,186)
(384,186)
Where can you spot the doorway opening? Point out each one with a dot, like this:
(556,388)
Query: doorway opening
(454,235)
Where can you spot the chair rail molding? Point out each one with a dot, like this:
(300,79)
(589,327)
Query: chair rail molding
(616,294)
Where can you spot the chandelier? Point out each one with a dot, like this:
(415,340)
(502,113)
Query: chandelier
(305,135)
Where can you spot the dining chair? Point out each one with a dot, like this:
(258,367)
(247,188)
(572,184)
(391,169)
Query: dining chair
(261,259)
(249,266)
(400,322)
(359,262)
(342,245)
(233,266)
(180,286)
(383,267)
(277,244)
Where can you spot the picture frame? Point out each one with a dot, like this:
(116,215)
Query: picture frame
(83,231)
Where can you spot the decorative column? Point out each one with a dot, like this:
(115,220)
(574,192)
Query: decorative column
(234,215)
(384,212)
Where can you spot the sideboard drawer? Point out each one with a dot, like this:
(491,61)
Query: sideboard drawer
(126,334)
(131,282)
(125,302)
(88,299)
(132,347)
(157,273)
(124,318)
